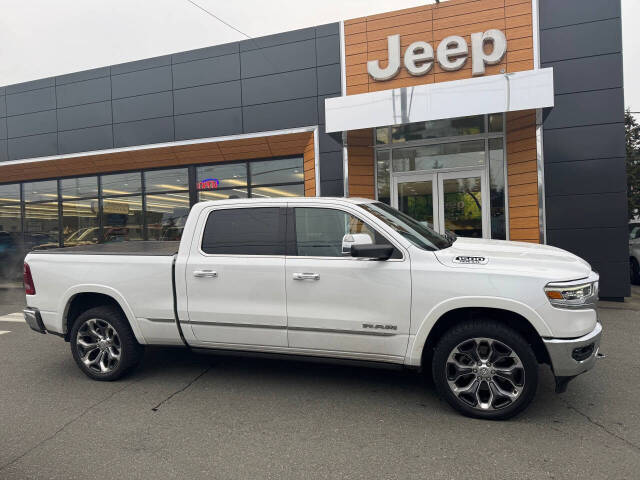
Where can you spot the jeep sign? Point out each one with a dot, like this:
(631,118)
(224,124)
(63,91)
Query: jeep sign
(451,55)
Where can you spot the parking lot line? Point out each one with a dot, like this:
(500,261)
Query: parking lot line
(4,331)
(13,317)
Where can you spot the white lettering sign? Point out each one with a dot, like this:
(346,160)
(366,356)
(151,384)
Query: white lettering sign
(452,54)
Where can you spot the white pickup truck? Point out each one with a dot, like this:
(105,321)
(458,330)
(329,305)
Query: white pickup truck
(345,279)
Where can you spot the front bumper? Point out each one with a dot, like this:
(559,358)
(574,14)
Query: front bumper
(34,319)
(571,357)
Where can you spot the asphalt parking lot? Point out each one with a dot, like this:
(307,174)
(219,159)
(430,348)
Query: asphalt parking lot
(182,415)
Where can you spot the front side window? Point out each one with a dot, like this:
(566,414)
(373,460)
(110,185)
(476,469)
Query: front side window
(245,231)
(319,231)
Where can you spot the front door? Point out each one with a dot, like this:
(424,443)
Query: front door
(455,201)
(338,305)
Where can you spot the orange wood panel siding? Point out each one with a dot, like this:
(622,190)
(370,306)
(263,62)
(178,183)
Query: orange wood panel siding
(522,180)
(173,156)
(361,163)
(310,168)
(366,39)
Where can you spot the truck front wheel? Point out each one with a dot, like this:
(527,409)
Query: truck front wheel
(103,345)
(485,369)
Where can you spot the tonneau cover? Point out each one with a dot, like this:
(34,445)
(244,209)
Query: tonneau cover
(141,248)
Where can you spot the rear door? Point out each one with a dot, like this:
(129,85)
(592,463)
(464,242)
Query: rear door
(340,305)
(235,278)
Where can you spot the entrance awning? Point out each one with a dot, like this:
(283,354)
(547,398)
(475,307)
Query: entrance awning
(461,98)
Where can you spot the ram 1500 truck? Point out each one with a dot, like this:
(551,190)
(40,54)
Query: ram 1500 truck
(335,278)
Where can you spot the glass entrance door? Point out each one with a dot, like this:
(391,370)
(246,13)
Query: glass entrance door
(450,201)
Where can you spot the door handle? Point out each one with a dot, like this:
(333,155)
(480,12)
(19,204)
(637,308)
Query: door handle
(306,276)
(205,274)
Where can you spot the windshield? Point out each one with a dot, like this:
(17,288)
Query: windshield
(420,235)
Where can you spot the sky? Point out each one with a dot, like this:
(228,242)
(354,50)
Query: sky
(42,38)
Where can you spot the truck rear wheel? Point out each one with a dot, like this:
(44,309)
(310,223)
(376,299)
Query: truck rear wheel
(103,345)
(486,370)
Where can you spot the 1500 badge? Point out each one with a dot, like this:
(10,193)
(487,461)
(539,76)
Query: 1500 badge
(471,260)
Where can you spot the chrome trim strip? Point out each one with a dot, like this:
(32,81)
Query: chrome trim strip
(178,143)
(160,320)
(348,332)
(226,324)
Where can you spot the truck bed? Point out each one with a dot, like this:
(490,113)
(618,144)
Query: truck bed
(139,248)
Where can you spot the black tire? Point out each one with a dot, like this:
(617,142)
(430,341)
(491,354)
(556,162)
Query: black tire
(635,271)
(485,329)
(129,350)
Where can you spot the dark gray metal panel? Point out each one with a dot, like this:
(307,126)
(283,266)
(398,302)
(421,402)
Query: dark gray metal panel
(559,13)
(278,39)
(282,86)
(143,132)
(331,166)
(31,101)
(587,211)
(601,175)
(328,50)
(584,40)
(3,128)
(207,97)
(207,52)
(209,124)
(141,65)
(332,188)
(589,73)
(278,59)
(141,82)
(4,154)
(141,107)
(88,91)
(82,116)
(33,146)
(587,108)
(595,249)
(321,110)
(3,106)
(279,115)
(328,29)
(3,91)
(329,142)
(329,79)
(82,76)
(584,143)
(614,278)
(204,72)
(86,139)
(32,124)
(32,85)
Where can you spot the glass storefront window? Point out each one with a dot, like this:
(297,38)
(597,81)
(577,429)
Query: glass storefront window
(382,136)
(278,191)
(80,222)
(228,176)
(11,248)
(41,226)
(41,191)
(227,194)
(276,171)
(496,123)
(122,219)
(80,187)
(121,183)
(383,166)
(444,155)
(166,180)
(497,186)
(450,127)
(166,215)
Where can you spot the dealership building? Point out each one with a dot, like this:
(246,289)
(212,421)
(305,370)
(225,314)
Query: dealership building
(500,119)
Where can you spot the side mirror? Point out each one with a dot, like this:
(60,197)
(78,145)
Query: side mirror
(377,252)
(351,239)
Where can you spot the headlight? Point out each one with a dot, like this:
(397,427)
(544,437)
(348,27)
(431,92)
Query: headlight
(572,294)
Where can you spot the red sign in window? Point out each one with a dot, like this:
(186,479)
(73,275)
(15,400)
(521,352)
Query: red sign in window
(208,184)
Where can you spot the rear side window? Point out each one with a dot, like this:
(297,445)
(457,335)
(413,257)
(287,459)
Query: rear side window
(245,231)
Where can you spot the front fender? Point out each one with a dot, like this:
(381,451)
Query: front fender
(417,341)
(104,290)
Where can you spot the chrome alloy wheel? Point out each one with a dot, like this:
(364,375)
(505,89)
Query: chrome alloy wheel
(98,345)
(485,374)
